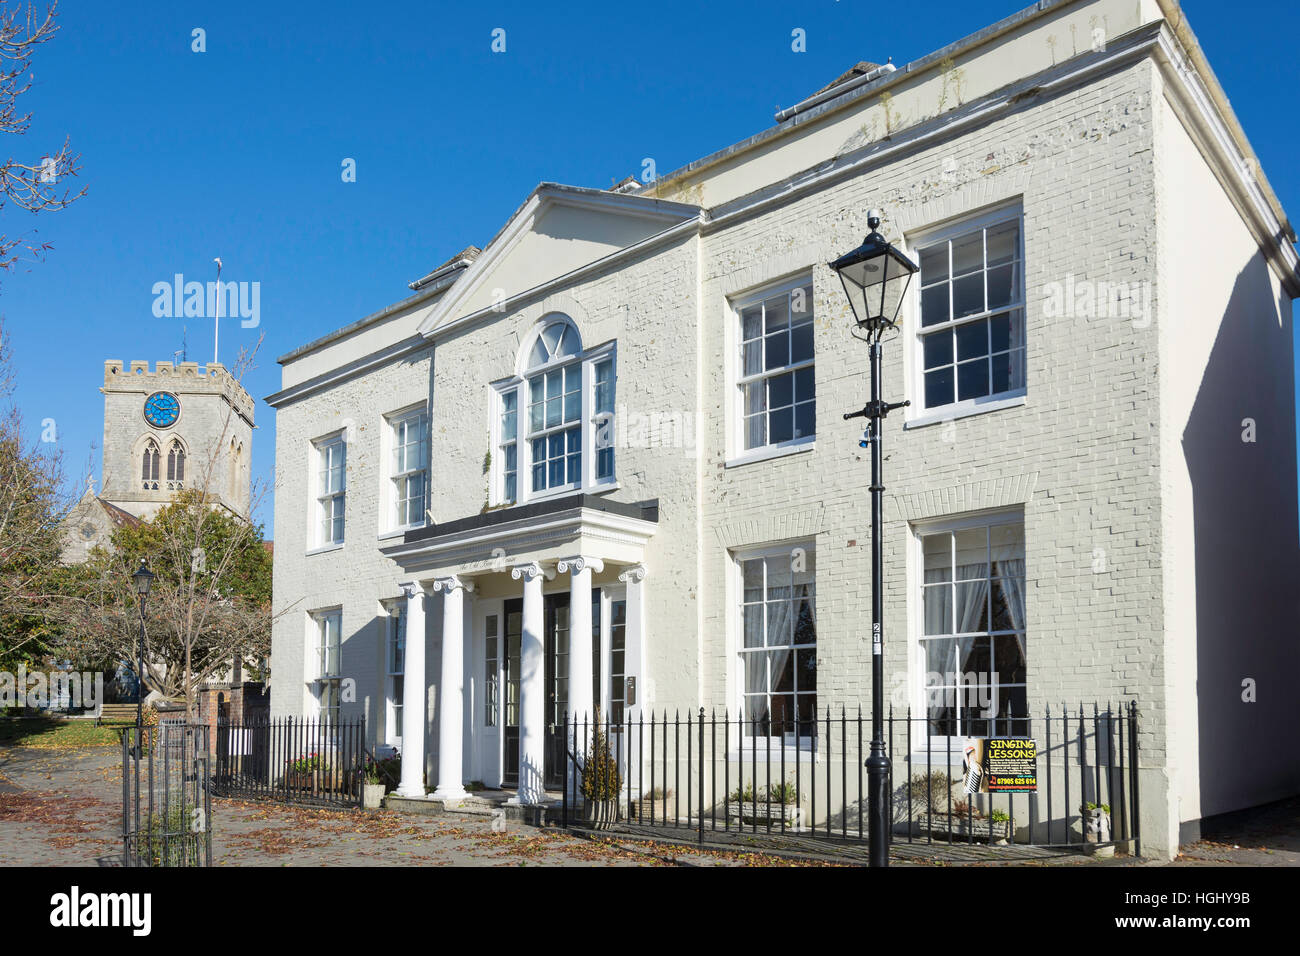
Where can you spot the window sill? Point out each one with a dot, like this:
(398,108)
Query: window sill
(759,754)
(325,549)
(399,532)
(769,452)
(601,489)
(952,413)
(938,758)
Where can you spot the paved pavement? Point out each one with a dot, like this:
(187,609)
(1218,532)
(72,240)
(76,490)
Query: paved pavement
(62,807)
(1262,836)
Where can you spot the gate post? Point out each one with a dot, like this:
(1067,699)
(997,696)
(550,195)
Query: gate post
(1133,777)
(700,784)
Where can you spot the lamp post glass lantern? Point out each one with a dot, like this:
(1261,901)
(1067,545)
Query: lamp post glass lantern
(875,277)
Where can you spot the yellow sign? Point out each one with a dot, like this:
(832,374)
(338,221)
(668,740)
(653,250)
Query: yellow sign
(1001,765)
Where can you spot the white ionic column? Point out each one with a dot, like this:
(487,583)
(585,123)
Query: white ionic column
(532,687)
(634,636)
(415,691)
(581,707)
(580,570)
(451,688)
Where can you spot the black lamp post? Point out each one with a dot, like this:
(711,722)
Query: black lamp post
(143,579)
(875,277)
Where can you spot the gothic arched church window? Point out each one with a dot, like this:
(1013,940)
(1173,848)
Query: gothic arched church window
(175,466)
(149,466)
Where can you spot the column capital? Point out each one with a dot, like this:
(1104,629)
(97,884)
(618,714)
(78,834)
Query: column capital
(634,574)
(579,564)
(531,570)
(451,582)
(410,589)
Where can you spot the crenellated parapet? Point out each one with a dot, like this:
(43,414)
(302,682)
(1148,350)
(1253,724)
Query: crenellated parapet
(180,377)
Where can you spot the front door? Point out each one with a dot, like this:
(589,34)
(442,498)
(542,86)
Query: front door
(556,629)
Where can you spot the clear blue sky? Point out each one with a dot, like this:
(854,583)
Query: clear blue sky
(236,152)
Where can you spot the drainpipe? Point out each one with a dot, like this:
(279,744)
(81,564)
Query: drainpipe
(834,91)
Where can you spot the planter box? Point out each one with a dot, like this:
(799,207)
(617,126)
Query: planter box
(662,810)
(977,828)
(315,781)
(748,814)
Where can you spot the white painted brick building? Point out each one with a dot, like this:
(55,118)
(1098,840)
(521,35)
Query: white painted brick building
(1100,446)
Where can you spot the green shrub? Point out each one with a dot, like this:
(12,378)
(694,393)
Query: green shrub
(169,839)
(601,780)
(387,770)
(783,794)
(933,788)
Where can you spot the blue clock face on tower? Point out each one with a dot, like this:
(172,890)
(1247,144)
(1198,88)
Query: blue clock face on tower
(161,409)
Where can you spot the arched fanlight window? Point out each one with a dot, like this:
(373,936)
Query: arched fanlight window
(565,396)
(149,466)
(175,465)
(558,341)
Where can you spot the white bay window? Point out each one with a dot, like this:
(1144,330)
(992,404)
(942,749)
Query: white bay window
(553,421)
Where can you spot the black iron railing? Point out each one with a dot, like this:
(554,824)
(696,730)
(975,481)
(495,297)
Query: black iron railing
(320,762)
(717,773)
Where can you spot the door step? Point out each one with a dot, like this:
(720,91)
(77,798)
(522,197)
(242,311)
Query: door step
(476,805)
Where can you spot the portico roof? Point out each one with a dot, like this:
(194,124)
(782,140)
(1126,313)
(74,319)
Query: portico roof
(544,531)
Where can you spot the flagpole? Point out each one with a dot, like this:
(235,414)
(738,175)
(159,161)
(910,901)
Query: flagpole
(216,323)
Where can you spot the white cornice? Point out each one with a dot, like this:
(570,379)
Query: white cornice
(1154,41)
(488,545)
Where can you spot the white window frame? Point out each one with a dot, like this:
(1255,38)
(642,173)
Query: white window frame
(807,746)
(394,422)
(589,422)
(737,453)
(324,675)
(490,712)
(917,413)
(917,663)
(394,667)
(321,449)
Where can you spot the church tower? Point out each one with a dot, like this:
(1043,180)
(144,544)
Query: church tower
(174,427)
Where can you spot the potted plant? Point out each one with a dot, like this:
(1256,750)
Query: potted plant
(601,782)
(314,772)
(373,788)
(1096,829)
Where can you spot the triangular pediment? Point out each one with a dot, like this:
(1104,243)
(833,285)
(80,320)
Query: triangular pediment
(557,231)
